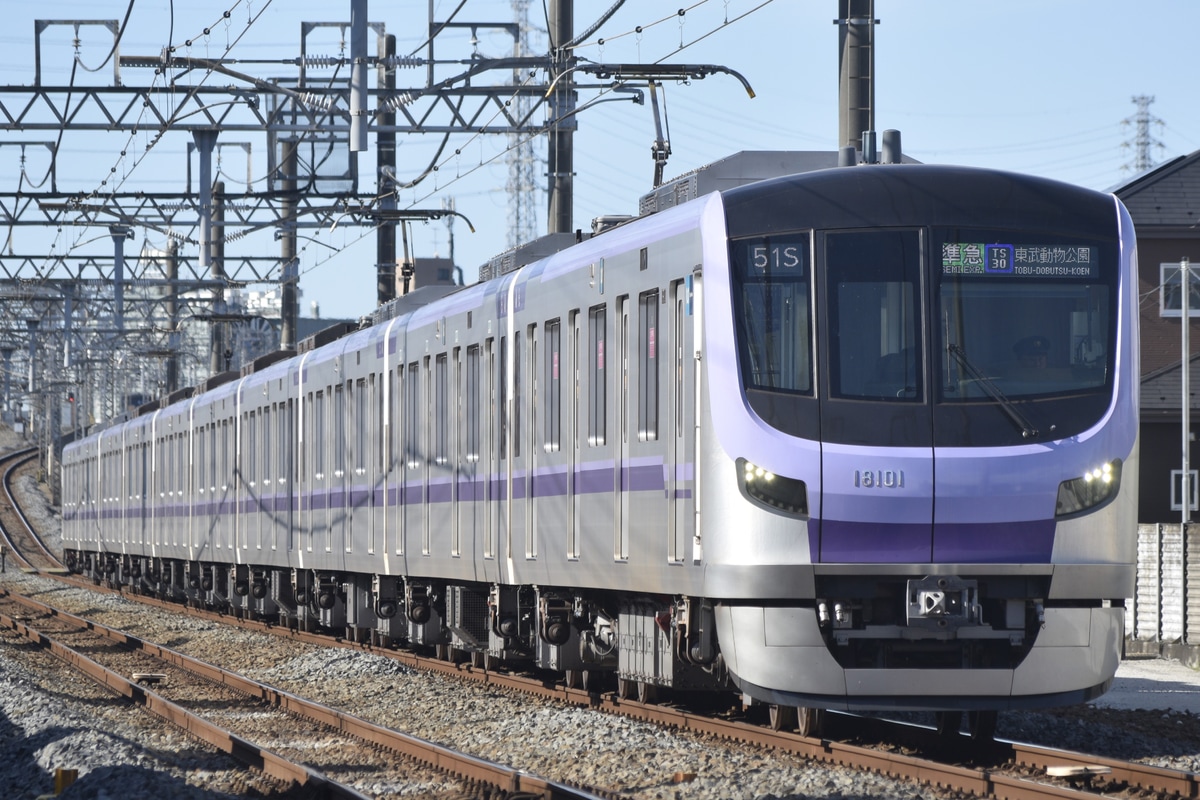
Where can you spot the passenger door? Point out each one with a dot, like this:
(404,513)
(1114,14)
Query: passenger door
(876,419)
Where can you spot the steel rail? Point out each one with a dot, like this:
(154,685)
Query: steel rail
(248,753)
(983,782)
(10,463)
(441,758)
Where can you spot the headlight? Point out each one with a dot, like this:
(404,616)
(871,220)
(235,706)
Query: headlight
(1089,490)
(775,491)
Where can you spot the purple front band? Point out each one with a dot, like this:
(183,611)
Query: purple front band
(1030,541)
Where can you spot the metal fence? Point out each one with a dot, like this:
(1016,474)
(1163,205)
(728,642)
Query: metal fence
(1164,615)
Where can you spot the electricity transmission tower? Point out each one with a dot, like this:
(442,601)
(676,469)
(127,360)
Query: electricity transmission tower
(522,188)
(1143,141)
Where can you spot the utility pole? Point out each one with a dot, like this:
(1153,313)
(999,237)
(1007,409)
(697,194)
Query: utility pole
(1185,269)
(385,162)
(561,218)
(289,307)
(222,342)
(856,70)
(172,366)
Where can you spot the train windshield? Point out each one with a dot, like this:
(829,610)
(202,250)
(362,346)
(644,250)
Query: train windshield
(1021,316)
(772,284)
(927,336)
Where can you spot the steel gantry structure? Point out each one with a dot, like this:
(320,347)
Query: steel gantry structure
(74,322)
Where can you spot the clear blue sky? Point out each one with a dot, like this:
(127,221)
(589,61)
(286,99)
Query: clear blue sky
(1038,86)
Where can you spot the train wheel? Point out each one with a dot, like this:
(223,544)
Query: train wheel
(592,680)
(477,659)
(982,725)
(783,718)
(574,678)
(626,688)
(442,652)
(810,721)
(948,722)
(646,692)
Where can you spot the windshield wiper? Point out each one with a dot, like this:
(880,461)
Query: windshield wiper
(1028,431)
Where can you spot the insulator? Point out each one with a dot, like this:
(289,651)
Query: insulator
(322,61)
(401,62)
(316,101)
(399,101)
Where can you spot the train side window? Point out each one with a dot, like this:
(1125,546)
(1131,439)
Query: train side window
(597,383)
(472,415)
(338,427)
(412,415)
(212,456)
(249,448)
(393,429)
(502,401)
(318,436)
(378,410)
(362,428)
(552,391)
(518,393)
(268,418)
(441,411)
(648,366)
(201,456)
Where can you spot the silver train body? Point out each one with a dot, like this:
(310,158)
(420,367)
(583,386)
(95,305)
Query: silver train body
(786,438)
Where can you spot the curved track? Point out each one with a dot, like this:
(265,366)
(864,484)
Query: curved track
(20,539)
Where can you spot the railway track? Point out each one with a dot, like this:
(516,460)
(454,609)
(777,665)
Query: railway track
(234,714)
(1000,769)
(19,538)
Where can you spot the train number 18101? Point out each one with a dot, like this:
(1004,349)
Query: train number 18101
(879,478)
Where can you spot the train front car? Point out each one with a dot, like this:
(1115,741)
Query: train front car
(923,495)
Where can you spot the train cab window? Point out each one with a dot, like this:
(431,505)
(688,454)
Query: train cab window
(771,295)
(1027,316)
(1024,328)
(874,286)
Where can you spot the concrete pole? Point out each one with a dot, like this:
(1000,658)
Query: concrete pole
(358,76)
(6,353)
(856,70)
(561,216)
(385,156)
(172,377)
(220,327)
(289,310)
(119,234)
(31,325)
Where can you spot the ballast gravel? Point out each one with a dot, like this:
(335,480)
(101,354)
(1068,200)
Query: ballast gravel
(43,727)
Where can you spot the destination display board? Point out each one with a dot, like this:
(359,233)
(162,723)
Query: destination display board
(1035,261)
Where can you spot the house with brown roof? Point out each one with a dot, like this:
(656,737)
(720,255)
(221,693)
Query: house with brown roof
(1165,205)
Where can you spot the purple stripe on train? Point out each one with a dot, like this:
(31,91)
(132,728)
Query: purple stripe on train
(839,541)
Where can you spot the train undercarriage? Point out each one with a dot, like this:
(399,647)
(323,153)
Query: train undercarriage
(596,640)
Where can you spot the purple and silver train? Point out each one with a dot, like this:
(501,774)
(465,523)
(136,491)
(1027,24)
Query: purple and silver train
(853,438)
